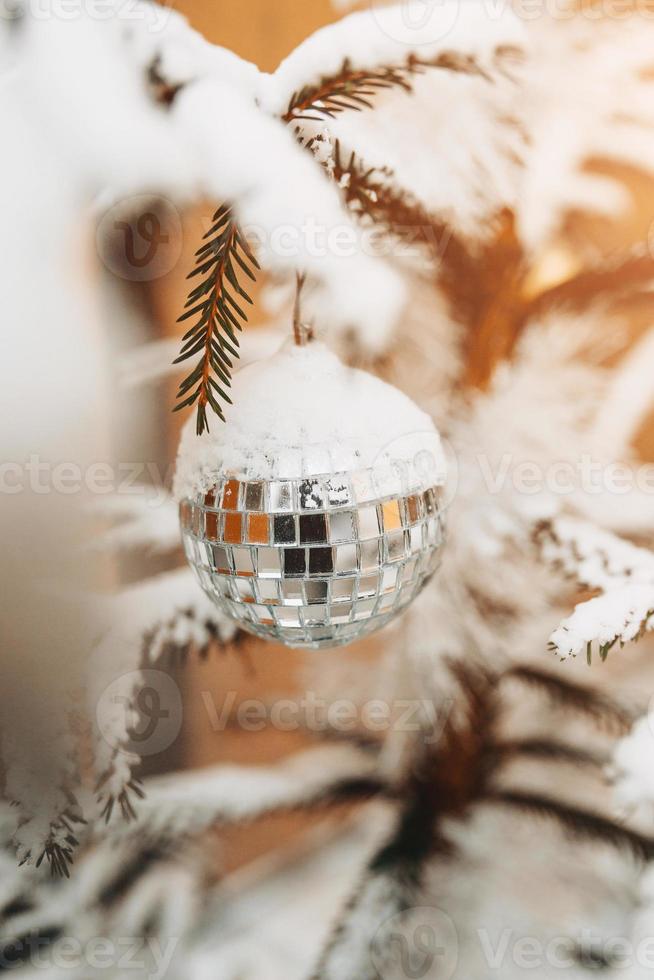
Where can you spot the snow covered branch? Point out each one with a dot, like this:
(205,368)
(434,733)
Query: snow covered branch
(184,804)
(146,518)
(381,897)
(622,616)
(633,765)
(166,615)
(587,97)
(459,38)
(595,558)
(622,572)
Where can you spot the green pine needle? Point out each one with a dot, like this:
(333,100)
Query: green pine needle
(212,305)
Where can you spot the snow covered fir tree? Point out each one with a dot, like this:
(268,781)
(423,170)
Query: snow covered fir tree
(420,471)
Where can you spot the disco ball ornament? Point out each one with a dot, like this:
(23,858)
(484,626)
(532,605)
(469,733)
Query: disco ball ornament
(313,516)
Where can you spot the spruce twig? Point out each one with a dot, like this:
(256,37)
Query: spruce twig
(605,712)
(215,301)
(366,190)
(450,780)
(352,89)
(487,312)
(580,823)
(219,313)
(62,841)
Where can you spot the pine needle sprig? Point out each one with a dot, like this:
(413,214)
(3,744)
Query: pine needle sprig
(578,822)
(448,782)
(62,841)
(59,856)
(124,800)
(608,714)
(492,315)
(349,90)
(215,302)
(354,90)
(370,192)
(373,195)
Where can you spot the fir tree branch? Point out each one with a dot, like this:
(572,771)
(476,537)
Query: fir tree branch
(366,190)
(593,557)
(215,301)
(190,623)
(390,886)
(580,823)
(490,313)
(564,693)
(616,275)
(60,844)
(549,750)
(188,633)
(125,799)
(353,89)
(182,805)
(371,193)
(622,573)
(620,616)
(496,334)
(161,90)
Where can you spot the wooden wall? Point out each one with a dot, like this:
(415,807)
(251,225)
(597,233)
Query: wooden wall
(263,31)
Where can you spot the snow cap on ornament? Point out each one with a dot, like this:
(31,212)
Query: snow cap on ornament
(313,515)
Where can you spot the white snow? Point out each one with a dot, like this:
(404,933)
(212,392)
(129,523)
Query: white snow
(587,94)
(286,204)
(152,361)
(597,558)
(304,413)
(187,802)
(281,196)
(170,610)
(163,36)
(469,165)
(386,36)
(633,763)
(147,519)
(619,616)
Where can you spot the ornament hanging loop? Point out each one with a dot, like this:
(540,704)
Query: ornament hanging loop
(302,332)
